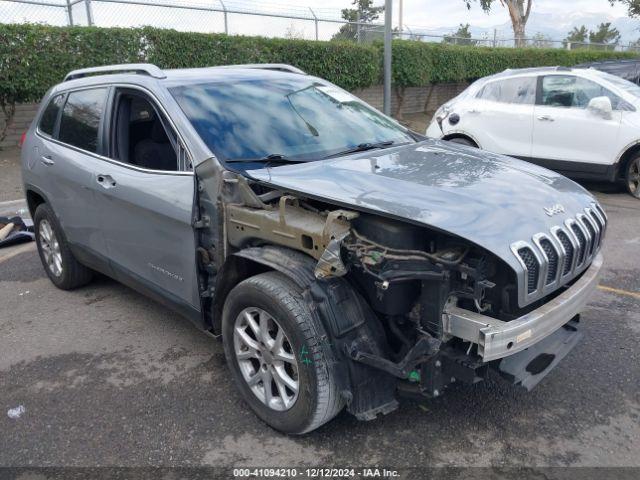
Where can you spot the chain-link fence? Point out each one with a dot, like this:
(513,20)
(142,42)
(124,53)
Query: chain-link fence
(243,17)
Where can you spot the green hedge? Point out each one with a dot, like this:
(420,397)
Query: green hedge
(34,57)
(416,64)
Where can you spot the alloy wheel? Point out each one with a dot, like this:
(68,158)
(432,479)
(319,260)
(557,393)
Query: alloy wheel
(266,358)
(50,248)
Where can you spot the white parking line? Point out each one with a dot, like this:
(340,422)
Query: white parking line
(31,246)
(11,203)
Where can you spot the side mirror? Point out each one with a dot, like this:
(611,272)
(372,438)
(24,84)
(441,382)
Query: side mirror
(601,106)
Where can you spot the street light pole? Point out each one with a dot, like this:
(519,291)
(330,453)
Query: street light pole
(387,57)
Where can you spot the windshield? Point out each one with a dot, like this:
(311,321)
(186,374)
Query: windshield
(295,117)
(621,83)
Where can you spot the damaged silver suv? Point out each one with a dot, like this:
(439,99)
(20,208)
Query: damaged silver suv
(344,259)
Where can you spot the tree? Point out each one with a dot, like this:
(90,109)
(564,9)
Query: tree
(462,36)
(364,12)
(292,33)
(519,11)
(540,40)
(577,38)
(635,45)
(605,35)
(633,6)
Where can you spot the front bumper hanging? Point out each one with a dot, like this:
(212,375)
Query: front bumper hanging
(497,339)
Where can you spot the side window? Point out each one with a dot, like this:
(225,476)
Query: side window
(141,136)
(573,92)
(80,122)
(50,115)
(513,90)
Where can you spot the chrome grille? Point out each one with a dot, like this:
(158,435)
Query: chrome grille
(533,268)
(550,260)
(568,250)
(582,243)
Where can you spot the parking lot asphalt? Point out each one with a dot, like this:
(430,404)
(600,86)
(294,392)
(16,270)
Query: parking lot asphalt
(108,377)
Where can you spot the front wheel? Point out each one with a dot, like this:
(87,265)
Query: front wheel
(272,345)
(632,177)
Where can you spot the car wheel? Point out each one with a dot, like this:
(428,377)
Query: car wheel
(272,345)
(61,266)
(463,141)
(632,177)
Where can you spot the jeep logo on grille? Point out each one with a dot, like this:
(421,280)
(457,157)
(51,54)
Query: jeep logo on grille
(554,210)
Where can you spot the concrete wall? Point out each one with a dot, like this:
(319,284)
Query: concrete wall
(416,100)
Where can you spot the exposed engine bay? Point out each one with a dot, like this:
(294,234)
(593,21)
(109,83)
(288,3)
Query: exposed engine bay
(407,274)
(408,308)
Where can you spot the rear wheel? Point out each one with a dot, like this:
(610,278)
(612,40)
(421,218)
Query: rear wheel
(272,345)
(632,177)
(59,263)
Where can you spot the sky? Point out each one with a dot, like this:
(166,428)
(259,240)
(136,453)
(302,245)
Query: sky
(420,14)
(443,13)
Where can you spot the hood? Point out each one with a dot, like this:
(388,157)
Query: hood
(488,199)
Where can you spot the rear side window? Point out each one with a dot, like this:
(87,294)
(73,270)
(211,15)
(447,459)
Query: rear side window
(81,116)
(573,92)
(50,115)
(513,90)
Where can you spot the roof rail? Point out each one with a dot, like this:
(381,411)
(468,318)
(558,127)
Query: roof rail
(282,67)
(140,68)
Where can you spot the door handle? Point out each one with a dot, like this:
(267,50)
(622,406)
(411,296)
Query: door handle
(474,112)
(105,181)
(546,118)
(47,160)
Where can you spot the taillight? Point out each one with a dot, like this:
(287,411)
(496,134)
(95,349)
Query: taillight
(23,137)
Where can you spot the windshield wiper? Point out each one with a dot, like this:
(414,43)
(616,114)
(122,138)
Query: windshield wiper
(272,158)
(363,147)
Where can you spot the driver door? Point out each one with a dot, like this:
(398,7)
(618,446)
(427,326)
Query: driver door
(146,194)
(567,135)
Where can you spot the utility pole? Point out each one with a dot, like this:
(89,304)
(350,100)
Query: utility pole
(90,21)
(400,21)
(226,21)
(387,56)
(70,12)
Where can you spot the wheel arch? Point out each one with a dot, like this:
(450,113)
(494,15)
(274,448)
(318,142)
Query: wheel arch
(630,152)
(335,303)
(35,197)
(255,260)
(464,135)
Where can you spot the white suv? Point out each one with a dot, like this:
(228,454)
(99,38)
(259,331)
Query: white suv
(581,122)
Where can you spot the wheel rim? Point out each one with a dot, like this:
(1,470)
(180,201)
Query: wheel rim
(633,177)
(50,248)
(266,359)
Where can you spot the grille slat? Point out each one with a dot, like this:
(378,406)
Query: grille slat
(600,226)
(555,258)
(552,258)
(582,243)
(533,268)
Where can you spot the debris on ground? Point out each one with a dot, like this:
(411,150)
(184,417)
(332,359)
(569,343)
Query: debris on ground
(17,412)
(14,230)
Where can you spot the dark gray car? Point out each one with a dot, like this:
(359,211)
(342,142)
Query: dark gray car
(343,259)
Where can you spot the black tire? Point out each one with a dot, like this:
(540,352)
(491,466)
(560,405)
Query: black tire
(72,274)
(632,176)
(463,141)
(318,399)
